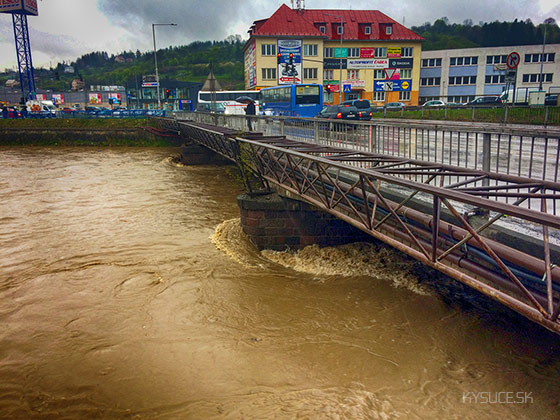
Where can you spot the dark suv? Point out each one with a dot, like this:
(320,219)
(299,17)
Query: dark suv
(364,108)
(485,101)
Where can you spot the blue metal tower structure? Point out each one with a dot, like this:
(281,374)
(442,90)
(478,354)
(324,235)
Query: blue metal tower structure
(19,9)
(23,51)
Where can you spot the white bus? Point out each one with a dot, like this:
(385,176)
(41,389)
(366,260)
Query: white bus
(228,99)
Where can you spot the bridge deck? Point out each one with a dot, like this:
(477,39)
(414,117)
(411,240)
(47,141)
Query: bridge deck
(424,209)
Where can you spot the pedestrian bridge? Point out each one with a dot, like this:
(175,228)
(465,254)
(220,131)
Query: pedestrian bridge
(479,203)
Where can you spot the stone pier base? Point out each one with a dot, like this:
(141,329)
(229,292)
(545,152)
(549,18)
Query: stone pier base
(278,223)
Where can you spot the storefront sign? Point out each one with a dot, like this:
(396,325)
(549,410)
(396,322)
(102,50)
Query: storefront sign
(333,64)
(401,63)
(367,52)
(393,53)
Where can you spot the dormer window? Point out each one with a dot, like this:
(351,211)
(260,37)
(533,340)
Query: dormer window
(339,29)
(388,30)
(367,30)
(322,29)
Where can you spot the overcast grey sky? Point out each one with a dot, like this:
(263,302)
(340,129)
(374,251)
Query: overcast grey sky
(66,29)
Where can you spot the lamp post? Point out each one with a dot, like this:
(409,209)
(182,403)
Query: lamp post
(155,56)
(340,92)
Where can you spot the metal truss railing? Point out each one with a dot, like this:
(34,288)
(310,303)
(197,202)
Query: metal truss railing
(413,206)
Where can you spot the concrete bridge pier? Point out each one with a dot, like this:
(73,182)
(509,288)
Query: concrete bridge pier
(274,222)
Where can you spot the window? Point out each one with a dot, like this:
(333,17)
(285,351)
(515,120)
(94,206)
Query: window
(353,74)
(535,78)
(380,53)
(463,61)
(268,49)
(328,52)
(310,73)
(269,74)
(367,30)
(406,73)
(536,58)
(462,80)
(404,95)
(379,74)
(378,96)
(310,50)
(353,52)
(496,59)
(431,62)
(322,29)
(328,74)
(340,29)
(388,30)
(430,81)
(406,52)
(495,79)
(459,99)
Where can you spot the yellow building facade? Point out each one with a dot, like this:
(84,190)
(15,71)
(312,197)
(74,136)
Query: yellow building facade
(380,58)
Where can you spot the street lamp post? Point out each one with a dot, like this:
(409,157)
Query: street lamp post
(340,92)
(155,56)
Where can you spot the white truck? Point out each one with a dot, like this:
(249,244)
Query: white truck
(41,107)
(521,95)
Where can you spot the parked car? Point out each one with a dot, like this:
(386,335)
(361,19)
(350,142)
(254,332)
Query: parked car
(394,106)
(364,108)
(488,101)
(434,103)
(339,112)
(551,99)
(13,112)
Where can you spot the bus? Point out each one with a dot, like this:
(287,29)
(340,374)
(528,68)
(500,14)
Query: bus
(228,99)
(301,100)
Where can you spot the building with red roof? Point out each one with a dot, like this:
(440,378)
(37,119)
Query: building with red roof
(374,56)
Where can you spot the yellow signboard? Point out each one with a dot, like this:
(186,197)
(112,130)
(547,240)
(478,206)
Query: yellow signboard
(393,53)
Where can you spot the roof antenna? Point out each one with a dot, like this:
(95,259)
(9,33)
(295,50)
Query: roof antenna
(298,5)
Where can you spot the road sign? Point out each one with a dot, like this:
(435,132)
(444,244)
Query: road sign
(511,76)
(513,60)
(347,88)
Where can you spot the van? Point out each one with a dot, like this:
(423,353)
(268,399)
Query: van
(364,108)
(521,95)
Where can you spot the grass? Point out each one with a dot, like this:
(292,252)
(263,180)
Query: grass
(515,115)
(81,123)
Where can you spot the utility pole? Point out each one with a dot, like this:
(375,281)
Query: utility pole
(155,56)
(542,57)
(340,92)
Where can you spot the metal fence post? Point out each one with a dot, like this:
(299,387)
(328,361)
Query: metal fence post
(506,113)
(316,132)
(545,115)
(281,126)
(486,150)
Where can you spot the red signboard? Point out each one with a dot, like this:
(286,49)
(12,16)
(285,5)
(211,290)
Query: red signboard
(367,52)
(28,7)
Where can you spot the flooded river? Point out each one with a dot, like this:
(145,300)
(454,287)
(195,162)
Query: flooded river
(127,291)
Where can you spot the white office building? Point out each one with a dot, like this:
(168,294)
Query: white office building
(461,75)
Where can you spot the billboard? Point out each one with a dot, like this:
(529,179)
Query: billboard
(58,98)
(94,98)
(28,7)
(392,85)
(289,74)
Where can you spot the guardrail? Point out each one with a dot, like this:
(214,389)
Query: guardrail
(128,113)
(524,151)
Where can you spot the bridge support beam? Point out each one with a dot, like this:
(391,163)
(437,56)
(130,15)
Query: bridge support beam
(278,223)
(194,154)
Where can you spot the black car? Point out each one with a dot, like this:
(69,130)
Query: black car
(485,101)
(364,108)
(551,99)
(339,112)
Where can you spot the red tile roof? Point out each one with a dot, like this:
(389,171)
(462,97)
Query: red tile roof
(288,22)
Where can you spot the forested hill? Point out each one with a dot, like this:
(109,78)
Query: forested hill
(442,35)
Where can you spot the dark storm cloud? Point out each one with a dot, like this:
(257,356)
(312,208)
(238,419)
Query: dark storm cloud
(196,19)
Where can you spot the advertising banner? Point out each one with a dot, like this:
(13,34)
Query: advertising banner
(335,86)
(337,53)
(392,74)
(367,52)
(251,65)
(392,85)
(58,98)
(355,83)
(400,63)
(380,63)
(95,98)
(393,53)
(334,64)
(361,63)
(289,73)
(29,7)
(40,97)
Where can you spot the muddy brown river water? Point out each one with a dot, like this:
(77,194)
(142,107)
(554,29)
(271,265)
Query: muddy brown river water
(128,291)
